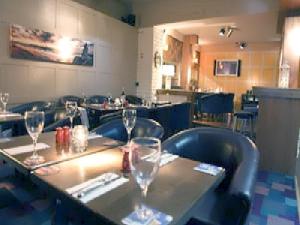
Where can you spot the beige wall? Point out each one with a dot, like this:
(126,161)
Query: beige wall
(258,68)
(115,54)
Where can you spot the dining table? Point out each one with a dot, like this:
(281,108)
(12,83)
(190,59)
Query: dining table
(175,191)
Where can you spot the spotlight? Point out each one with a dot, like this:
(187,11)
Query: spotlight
(229,31)
(243,45)
(222,31)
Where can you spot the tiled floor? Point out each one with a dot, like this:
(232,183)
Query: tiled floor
(275,201)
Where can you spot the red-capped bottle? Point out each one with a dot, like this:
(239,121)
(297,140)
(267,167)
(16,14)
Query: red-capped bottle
(59,136)
(66,131)
(125,162)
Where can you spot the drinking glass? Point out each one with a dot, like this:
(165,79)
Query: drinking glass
(4,99)
(34,122)
(145,155)
(71,110)
(129,119)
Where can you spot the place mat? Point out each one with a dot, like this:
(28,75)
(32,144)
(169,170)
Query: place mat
(157,218)
(25,148)
(209,169)
(96,187)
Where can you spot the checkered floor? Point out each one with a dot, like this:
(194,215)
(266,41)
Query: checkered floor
(275,201)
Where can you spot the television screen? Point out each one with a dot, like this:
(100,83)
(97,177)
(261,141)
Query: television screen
(227,68)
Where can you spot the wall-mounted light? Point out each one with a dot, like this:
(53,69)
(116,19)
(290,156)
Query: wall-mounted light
(168,70)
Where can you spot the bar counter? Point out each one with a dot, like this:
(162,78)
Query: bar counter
(278,129)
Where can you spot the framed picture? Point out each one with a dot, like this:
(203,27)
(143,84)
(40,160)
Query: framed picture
(38,45)
(227,67)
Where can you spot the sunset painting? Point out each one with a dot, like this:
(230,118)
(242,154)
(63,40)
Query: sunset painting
(38,45)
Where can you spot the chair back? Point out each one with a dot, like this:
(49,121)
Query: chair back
(132,99)
(96,99)
(217,103)
(36,105)
(59,123)
(143,128)
(62,100)
(215,146)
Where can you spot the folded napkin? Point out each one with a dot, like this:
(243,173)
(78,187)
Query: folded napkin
(4,140)
(25,148)
(96,187)
(157,218)
(165,158)
(8,114)
(209,169)
(94,136)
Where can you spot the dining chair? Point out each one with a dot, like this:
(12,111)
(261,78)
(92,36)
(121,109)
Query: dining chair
(132,99)
(62,100)
(28,106)
(143,128)
(230,202)
(96,99)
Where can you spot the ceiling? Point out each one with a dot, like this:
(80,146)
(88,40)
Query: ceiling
(251,28)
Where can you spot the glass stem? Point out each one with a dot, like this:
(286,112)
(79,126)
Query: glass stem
(144,192)
(129,134)
(34,147)
(71,120)
(4,107)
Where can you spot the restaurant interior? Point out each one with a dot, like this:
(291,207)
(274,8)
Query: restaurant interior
(149,112)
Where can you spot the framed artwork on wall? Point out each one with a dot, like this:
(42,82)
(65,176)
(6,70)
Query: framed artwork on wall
(227,67)
(38,45)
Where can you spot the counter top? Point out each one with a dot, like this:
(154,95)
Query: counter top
(287,93)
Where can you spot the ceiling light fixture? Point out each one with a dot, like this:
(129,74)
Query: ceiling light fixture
(242,44)
(222,31)
(229,31)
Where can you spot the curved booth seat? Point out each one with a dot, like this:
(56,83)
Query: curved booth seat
(132,99)
(96,99)
(36,105)
(231,201)
(144,128)
(62,100)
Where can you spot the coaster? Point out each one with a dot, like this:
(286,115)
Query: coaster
(157,218)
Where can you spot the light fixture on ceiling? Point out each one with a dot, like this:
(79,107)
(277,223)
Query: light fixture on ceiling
(242,44)
(229,31)
(222,31)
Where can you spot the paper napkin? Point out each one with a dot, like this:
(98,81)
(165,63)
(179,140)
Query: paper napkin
(25,149)
(209,169)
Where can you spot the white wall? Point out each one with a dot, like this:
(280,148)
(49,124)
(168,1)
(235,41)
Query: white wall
(115,52)
(156,12)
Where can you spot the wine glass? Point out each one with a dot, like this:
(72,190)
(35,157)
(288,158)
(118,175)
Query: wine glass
(4,100)
(129,119)
(145,155)
(34,122)
(71,110)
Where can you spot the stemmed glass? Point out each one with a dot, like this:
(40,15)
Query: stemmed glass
(71,110)
(145,155)
(129,119)
(34,122)
(4,99)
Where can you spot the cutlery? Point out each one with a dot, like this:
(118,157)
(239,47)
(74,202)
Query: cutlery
(102,182)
